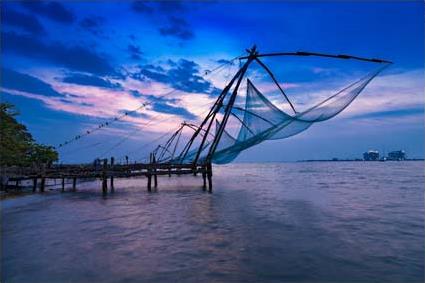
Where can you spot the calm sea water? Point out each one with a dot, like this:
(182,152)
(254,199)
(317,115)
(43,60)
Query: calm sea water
(288,222)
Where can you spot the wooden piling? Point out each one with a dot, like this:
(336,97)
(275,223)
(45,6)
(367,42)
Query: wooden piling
(104,176)
(209,175)
(34,184)
(38,178)
(204,178)
(43,178)
(112,176)
(155,176)
(149,176)
(42,184)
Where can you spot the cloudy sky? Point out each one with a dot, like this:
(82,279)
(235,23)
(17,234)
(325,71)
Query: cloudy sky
(72,66)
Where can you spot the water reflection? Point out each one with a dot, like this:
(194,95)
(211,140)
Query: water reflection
(263,223)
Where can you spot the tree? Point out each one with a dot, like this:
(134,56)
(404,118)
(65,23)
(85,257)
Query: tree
(17,146)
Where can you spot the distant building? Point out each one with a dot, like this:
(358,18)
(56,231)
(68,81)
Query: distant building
(371,155)
(397,155)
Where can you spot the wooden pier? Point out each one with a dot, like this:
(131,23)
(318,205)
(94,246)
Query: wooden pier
(104,172)
(202,148)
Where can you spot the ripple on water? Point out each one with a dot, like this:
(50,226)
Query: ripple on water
(306,222)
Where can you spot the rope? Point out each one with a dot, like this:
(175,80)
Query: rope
(125,138)
(163,120)
(155,140)
(119,118)
(110,122)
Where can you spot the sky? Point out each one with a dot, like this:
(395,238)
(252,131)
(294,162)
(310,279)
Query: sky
(71,67)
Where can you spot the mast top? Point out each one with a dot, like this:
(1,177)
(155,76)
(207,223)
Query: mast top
(252,52)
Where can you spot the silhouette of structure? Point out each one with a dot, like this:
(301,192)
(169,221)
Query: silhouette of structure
(258,120)
(397,155)
(371,155)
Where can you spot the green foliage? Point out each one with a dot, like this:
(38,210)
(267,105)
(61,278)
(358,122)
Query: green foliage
(17,146)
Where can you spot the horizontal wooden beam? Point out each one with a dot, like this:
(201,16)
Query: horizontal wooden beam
(302,53)
(119,171)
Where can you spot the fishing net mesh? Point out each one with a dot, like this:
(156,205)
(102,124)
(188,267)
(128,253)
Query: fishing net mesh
(262,120)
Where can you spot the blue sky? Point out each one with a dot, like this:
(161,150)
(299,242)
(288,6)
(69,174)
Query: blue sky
(71,66)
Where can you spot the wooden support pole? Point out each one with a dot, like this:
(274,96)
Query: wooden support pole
(155,176)
(104,176)
(43,178)
(149,182)
(42,184)
(63,184)
(155,180)
(74,184)
(34,184)
(204,178)
(209,175)
(194,169)
(228,110)
(210,117)
(112,176)
(149,175)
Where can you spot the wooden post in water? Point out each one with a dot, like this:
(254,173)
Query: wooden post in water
(155,176)
(149,175)
(112,176)
(204,178)
(34,184)
(195,173)
(43,177)
(104,176)
(63,184)
(209,175)
(74,184)
(42,184)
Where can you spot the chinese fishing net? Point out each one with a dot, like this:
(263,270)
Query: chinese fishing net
(262,120)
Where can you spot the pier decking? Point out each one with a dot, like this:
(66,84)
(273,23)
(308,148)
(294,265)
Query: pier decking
(105,171)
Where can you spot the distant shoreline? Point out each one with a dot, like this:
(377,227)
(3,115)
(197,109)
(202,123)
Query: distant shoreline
(338,160)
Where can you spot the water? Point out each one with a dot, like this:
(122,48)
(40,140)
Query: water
(296,222)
